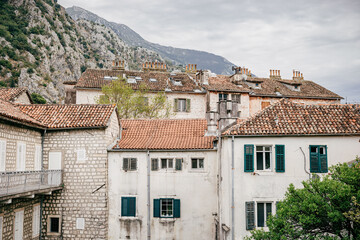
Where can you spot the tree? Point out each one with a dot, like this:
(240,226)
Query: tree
(134,103)
(324,208)
(37,98)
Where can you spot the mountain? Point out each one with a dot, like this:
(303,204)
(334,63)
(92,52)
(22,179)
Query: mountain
(204,60)
(41,47)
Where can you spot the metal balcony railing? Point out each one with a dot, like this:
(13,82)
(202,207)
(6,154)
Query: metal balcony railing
(26,181)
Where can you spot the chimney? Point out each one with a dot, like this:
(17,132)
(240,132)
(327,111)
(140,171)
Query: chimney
(275,74)
(211,124)
(118,64)
(297,76)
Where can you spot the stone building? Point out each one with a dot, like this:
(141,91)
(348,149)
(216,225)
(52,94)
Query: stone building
(54,170)
(15,95)
(163,181)
(285,143)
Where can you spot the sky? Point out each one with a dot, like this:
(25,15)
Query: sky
(319,38)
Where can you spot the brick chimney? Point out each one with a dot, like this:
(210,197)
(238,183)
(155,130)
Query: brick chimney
(297,76)
(118,65)
(191,68)
(275,74)
(154,66)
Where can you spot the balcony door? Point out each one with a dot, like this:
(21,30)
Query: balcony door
(55,163)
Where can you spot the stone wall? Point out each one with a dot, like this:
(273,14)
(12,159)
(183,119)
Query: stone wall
(7,211)
(13,134)
(85,183)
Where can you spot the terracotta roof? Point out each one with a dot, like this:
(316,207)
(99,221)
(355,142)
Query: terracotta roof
(10,94)
(95,79)
(11,112)
(164,134)
(69,116)
(269,87)
(288,118)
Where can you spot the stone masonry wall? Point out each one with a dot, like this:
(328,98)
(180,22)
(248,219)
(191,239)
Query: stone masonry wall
(7,211)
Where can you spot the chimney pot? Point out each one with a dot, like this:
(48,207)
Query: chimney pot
(195,67)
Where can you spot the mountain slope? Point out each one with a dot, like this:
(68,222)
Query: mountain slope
(41,47)
(204,60)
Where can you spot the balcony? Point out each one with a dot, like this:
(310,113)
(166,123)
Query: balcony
(20,184)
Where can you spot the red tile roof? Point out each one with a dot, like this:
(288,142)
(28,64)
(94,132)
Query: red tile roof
(269,87)
(164,134)
(12,112)
(288,118)
(10,94)
(95,79)
(70,116)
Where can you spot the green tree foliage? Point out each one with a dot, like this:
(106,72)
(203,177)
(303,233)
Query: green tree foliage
(134,103)
(325,208)
(37,98)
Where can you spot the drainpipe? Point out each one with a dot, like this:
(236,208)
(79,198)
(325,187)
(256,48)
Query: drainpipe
(305,163)
(148,196)
(232,189)
(219,188)
(42,168)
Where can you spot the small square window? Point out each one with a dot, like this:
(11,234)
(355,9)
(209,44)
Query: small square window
(167,163)
(223,97)
(166,207)
(197,163)
(54,225)
(263,157)
(129,164)
(181,105)
(236,98)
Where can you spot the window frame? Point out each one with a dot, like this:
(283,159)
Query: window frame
(319,158)
(172,207)
(236,98)
(264,151)
(198,163)
(127,214)
(223,97)
(129,165)
(154,163)
(265,212)
(49,225)
(167,164)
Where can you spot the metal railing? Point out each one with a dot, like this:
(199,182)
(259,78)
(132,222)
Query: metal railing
(26,181)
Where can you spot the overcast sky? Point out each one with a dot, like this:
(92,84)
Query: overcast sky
(319,38)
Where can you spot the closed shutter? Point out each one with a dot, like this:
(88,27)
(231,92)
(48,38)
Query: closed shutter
(36,221)
(124,206)
(1,227)
(125,164)
(176,208)
(250,215)
(156,207)
(248,158)
(176,107)
(131,206)
(37,165)
(21,157)
(154,164)
(280,158)
(178,164)
(323,159)
(188,105)
(314,159)
(2,156)
(19,225)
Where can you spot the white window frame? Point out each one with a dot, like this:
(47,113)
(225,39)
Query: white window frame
(181,105)
(128,167)
(168,167)
(172,207)
(264,157)
(265,216)
(81,155)
(36,221)
(198,160)
(37,158)
(21,156)
(2,156)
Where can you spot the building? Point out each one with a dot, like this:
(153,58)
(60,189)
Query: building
(163,181)
(54,170)
(285,143)
(15,95)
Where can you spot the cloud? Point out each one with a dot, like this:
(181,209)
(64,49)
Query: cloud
(320,38)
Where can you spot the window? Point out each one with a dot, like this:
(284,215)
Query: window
(167,208)
(318,159)
(2,155)
(37,165)
(36,221)
(263,212)
(167,163)
(54,226)
(154,164)
(197,163)
(182,105)
(178,164)
(280,158)
(128,206)
(236,98)
(129,164)
(19,225)
(223,97)
(263,157)
(248,158)
(20,157)
(81,155)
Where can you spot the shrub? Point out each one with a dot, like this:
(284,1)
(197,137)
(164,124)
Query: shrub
(37,98)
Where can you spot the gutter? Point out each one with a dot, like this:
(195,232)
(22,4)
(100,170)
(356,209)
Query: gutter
(149,91)
(148,195)
(161,150)
(21,122)
(296,135)
(292,96)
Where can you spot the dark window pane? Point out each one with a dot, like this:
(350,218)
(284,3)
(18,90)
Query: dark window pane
(313,149)
(201,163)
(193,163)
(260,215)
(268,210)
(259,161)
(54,224)
(163,163)
(267,160)
(133,164)
(322,150)
(170,163)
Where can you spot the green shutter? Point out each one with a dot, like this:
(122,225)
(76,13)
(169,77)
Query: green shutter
(248,158)
(176,105)
(280,158)
(188,105)
(250,215)
(178,164)
(131,206)
(124,206)
(323,160)
(156,208)
(125,164)
(314,159)
(176,208)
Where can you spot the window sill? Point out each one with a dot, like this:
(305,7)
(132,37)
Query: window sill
(264,173)
(170,219)
(128,218)
(197,170)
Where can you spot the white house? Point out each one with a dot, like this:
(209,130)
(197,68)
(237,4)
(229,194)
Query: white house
(163,181)
(284,143)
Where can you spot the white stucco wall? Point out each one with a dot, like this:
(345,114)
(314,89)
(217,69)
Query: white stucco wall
(271,186)
(196,190)
(243,106)
(197,109)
